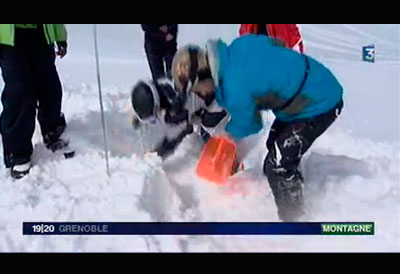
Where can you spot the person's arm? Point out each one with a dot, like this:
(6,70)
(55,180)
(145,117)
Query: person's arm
(151,28)
(298,43)
(172,102)
(154,31)
(174,137)
(245,29)
(173,29)
(171,34)
(213,119)
(61,37)
(60,32)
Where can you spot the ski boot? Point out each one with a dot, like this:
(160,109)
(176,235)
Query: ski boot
(54,142)
(288,193)
(20,171)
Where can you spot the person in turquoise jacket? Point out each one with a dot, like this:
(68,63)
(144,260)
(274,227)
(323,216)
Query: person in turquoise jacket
(256,73)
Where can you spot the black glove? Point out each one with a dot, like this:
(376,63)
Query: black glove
(176,118)
(174,104)
(176,113)
(167,147)
(62,48)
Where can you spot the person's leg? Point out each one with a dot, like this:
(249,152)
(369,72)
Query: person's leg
(48,88)
(174,136)
(287,143)
(169,56)
(155,58)
(17,121)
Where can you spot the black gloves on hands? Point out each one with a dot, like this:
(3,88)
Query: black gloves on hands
(167,147)
(62,48)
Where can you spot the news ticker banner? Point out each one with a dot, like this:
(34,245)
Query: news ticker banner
(47,228)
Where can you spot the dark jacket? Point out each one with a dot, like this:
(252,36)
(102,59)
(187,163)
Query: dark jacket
(154,34)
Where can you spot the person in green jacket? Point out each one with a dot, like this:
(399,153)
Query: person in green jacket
(27,61)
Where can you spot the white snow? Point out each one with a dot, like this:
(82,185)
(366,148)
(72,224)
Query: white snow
(352,171)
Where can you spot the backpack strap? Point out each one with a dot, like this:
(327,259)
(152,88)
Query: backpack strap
(300,89)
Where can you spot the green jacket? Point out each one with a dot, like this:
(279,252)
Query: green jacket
(53,33)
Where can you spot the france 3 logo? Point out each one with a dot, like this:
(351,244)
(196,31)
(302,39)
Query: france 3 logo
(368,53)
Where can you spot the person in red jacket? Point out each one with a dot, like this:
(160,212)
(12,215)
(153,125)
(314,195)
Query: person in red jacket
(289,34)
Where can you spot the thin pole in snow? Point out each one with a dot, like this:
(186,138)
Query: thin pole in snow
(96,50)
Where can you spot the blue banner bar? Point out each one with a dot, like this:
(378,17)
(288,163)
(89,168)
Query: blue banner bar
(48,228)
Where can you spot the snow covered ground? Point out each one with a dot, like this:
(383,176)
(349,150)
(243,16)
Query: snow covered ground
(352,172)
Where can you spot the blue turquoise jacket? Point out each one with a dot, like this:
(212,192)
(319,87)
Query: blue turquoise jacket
(255,73)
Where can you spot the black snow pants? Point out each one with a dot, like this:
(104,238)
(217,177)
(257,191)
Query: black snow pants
(31,82)
(287,143)
(160,55)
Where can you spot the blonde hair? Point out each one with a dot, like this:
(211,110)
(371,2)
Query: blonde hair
(181,65)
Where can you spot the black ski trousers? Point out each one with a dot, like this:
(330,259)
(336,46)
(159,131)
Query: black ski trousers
(31,82)
(287,143)
(160,55)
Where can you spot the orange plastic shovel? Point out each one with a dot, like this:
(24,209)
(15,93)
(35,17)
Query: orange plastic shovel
(216,160)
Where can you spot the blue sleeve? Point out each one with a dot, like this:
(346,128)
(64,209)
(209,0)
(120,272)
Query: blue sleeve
(245,117)
(244,123)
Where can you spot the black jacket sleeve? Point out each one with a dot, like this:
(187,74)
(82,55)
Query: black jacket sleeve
(168,146)
(173,29)
(155,28)
(212,119)
(172,103)
(152,31)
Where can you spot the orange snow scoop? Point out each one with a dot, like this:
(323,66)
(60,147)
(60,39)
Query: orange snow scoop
(217,160)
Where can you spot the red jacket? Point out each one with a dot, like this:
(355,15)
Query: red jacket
(287,33)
